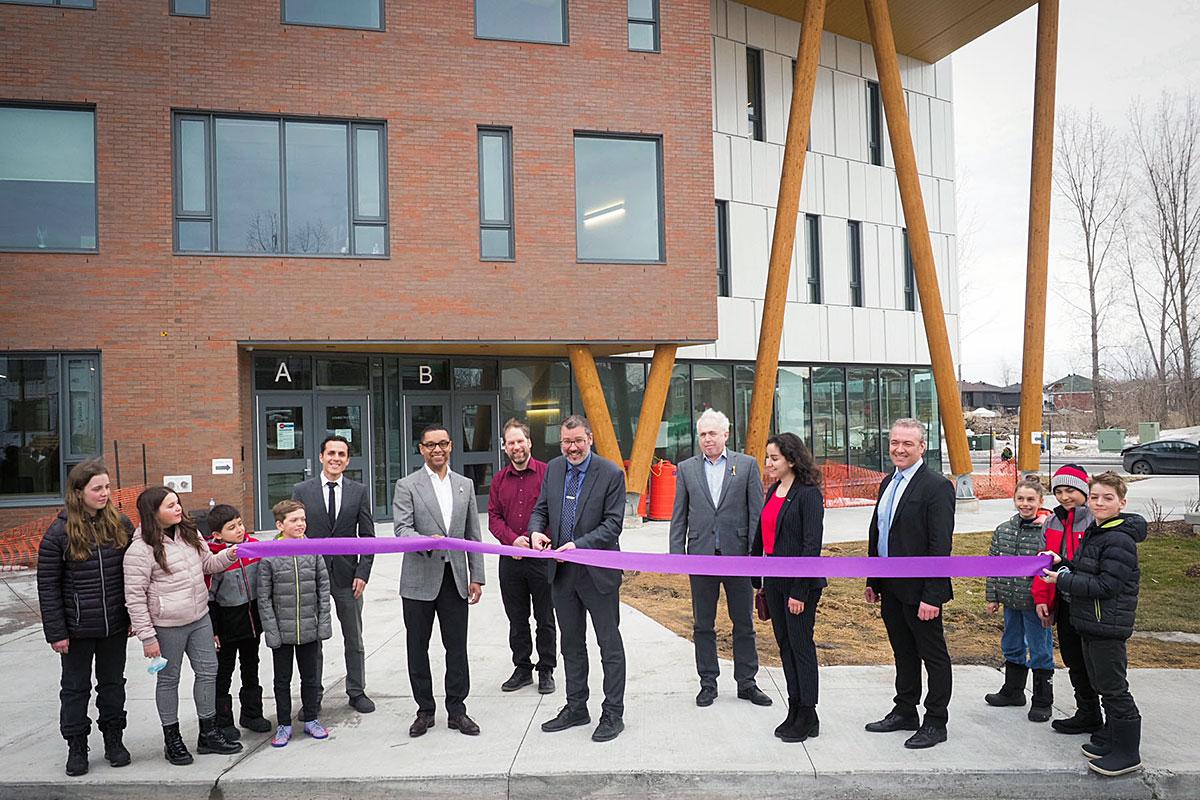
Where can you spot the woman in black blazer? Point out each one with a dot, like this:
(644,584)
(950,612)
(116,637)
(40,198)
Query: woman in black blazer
(792,524)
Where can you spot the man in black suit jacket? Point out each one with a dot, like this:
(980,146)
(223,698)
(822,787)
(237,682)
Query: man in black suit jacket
(338,506)
(914,517)
(582,504)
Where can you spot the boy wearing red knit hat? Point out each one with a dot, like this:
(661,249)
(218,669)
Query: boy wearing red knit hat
(1063,531)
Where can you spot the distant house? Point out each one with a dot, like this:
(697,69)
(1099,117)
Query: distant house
(1005,399)
(1072,392)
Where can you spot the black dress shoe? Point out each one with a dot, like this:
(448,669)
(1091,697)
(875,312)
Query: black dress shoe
(519,679)
(362,704)
(567,718)
(422,723)
(463,724)
(610,727)
(893,722)
(927,736)
(755,695)
(545,681)
(706,697)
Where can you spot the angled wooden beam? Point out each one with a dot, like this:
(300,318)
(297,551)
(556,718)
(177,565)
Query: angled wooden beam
(653,402)
(892,91)
(583,364)
(1041,178)
(783,240)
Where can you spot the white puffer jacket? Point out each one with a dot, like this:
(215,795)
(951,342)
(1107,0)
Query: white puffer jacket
(170,599)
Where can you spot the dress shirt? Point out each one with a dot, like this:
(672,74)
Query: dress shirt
(897,491)
(337,495)
(714,473)
(444,493)
(770,522)
(513,495)
(582,468)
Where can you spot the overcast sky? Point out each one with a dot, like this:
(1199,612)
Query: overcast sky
(1110,52)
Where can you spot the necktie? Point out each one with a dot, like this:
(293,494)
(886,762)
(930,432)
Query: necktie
(885,514)
(566,530)
(332,503)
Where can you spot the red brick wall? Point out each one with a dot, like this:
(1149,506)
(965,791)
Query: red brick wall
(168,326)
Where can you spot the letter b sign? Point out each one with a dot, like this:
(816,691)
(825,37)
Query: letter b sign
(425,374)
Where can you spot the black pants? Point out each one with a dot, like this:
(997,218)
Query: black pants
(1070,645)
(1107,663)
(523,582)
(450,609)
(914,642)
(794,635)
(76,687)
(308,658)
(575,599)
(246,652)
(739,602)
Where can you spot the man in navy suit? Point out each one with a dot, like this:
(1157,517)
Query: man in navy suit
(582,505)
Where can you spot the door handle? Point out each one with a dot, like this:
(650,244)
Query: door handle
(308,467)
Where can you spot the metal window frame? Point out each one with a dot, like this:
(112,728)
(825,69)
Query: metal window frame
(211,158)
(175,12)
(812,241)
(657,138)
(51,4)
(507,224)
(910,276)
(90,108)
(874,124)
(754,72)
(652,22)
(283,20)
(723,287)
(566,28)
(854,241)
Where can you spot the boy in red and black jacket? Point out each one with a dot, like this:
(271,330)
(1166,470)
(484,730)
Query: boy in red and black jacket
(233,609)
(1063,532)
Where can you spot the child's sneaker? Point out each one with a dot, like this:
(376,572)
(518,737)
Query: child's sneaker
(283,735)
(315,729)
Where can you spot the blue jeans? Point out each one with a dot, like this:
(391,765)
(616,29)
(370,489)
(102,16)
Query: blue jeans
(1023,632)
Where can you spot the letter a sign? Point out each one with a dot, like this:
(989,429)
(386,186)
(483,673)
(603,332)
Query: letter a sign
(282,372)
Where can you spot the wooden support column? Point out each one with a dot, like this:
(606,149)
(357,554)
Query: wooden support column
(1041,177)
(783,239)
(653,402)
(896,112)
(595,407)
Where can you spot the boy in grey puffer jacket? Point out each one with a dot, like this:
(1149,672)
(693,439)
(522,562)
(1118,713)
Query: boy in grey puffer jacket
(293,602)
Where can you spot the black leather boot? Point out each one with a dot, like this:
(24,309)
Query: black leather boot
(225,718)
(114,749)
(251,717)
(1012,693)
(805,726)
(77,755)
(1086,719)
(793,710)
(211,740)
(1043,695)
(174,750)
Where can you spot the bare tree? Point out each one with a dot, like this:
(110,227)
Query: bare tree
(1168,146)
(1090,173)
(1154,282)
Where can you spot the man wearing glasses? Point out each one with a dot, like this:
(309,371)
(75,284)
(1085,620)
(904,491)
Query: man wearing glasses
(582,504)
(434,501)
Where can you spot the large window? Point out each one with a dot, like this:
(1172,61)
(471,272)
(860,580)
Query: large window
(862,410)
(812,249)
(925,408)
(49,421)
(792,410)
(643,25)
(894,397)
(618,198)
(63,3)
(910,278)
(854,245)
(495,194)
(754,94)
(676,437)
(624,386)
(522,20)
(47,179)
(874,125)
(722,248)
(366,14)
(829,414)
(538,392)
(302,187)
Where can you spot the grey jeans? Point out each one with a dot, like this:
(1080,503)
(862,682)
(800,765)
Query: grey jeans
(195,639)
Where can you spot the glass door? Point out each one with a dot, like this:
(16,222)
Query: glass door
(347,415)
(421,411)
(475,429)
(286,450)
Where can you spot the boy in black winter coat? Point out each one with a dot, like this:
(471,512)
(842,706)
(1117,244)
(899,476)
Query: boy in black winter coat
(1102,580)
(233,609)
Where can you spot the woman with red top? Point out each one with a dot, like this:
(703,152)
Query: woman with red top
(792,524)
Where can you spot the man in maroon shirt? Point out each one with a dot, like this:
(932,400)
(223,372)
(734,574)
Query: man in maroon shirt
(510,502)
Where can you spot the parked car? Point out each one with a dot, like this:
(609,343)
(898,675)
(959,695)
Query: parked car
(1164,457)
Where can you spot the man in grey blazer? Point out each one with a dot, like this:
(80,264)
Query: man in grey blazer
(718,500)
(434,501)
(338,506)
(582,504)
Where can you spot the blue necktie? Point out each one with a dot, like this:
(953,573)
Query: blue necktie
(566,530)
(885,515)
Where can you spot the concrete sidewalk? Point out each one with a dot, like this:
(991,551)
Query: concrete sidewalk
(670,747)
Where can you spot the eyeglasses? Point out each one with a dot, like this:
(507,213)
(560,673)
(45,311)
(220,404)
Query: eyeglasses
(576,442)
(442,445)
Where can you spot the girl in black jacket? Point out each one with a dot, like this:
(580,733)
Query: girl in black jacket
(792,524)
(81,590)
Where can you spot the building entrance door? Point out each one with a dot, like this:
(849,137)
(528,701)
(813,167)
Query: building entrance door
(476,434)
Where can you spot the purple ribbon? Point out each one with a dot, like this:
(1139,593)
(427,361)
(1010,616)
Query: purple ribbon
(746,566)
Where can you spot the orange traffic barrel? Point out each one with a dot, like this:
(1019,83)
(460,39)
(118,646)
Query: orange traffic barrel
(662,490)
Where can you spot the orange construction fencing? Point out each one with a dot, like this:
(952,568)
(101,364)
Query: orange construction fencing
(19,545)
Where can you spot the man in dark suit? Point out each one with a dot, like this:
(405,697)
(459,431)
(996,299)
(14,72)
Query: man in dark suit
(718,499)
(338,506)
(913,517)
(582,504)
